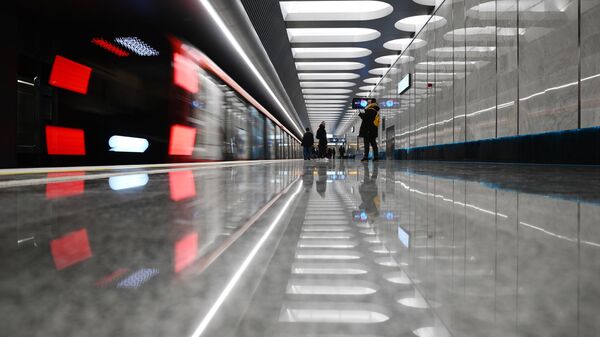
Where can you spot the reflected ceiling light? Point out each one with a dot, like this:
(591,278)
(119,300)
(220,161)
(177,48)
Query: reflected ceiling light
(403,44)
(242,268)
(317,35)
(309,106)
(326,91)
(382,71)
(391,59)
(118,183)
(481,33)
(330,53)
(334,10)
(325,101)
(128,144)
(327,76)
(326,84)
(365,93)
(470,51)
(375,80)
(326,97)
(367,88)
(302,66)
(415,23)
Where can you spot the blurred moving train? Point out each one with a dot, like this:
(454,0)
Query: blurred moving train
(101,100)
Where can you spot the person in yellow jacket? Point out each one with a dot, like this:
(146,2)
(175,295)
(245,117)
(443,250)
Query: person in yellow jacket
(369,129)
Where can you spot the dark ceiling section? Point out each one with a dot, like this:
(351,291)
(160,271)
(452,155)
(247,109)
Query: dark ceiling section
(268,23)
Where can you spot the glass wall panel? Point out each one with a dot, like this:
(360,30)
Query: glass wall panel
(459,72)
(507,72)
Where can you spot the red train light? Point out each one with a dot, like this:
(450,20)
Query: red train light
(70,75)
(182,140)
(109,47)
(65,141)
(185,74)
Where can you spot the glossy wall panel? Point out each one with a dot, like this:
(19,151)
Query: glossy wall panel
(493,69)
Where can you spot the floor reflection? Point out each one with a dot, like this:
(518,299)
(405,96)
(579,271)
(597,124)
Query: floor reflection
(335,248)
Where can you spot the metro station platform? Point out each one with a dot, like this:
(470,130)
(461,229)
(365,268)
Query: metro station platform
(296,248)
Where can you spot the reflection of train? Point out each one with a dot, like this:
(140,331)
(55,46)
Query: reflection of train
(100,99)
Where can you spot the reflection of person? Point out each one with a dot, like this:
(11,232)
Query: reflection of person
(369,194)
(342,151)
(308,177)
(308,140)
(322,137)
(333,153)
(322,180)
(368,129)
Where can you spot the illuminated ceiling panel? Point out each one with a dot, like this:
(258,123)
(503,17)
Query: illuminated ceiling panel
(391,59)
(375,80)
(334,10)
(326,84)
(336,97)
(309,66)
(326,91)
(325,101)
(335,35)
(415,23)
(403,44)
(327,76)
(382,71)
(330,53)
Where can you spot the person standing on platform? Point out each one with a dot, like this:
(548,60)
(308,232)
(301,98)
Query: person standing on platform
(322,137)
(369,128)
(308,140)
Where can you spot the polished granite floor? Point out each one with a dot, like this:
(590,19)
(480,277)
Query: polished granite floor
(295,248)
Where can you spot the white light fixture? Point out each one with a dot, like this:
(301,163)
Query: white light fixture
(415,23)
(325,101)
(334,10)
(310,66)
(367,88)
(391,59)
(364,94)
(326,91)
(319,35)
(375,80)
(236,45)
(326,76)
(403,44)
(382,71)
(330,52)
(324,84)
(128,144)
(487,33)
(337,97)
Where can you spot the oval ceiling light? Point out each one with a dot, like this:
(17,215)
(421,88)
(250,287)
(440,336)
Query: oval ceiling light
(330,53)
(391,59)
(414,24)
(319,35)
(325,101)
(326,91)
(365,93)
(326,76)
(326,84)
(403,44)
(382,71)
(375,80)
(326,105)
(328,97)
(334,10)
(431,3)
(367,88)
(309,66)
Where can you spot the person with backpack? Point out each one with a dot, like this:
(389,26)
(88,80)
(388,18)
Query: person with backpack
(322,137)
(369,129)
(308,140)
